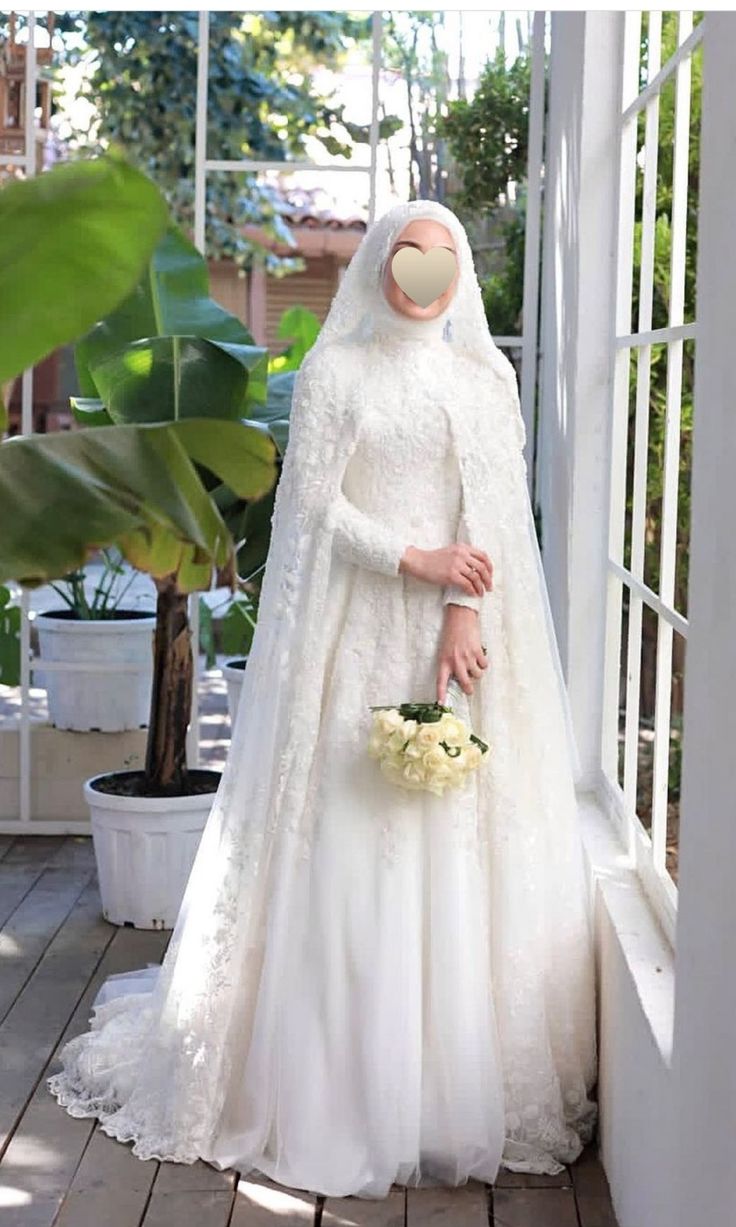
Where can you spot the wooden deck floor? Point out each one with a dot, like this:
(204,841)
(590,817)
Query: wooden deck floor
(57,1171)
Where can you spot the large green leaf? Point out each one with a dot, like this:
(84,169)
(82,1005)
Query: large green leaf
(73,241)
(89,411)
(275,413)
(170,306)
(163,379)
(302,327)
(135,486)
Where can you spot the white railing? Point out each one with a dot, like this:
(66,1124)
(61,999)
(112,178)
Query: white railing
(647,847)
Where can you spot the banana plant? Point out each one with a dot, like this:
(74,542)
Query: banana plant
(73,243)
(85,228)
(170,354)
(166,378)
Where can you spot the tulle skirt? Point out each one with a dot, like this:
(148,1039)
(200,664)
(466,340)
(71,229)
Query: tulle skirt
(372,1056)
(362,1037)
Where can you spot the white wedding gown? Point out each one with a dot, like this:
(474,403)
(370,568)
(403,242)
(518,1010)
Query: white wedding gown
(384,1035)
(386,1023)
(374,1041)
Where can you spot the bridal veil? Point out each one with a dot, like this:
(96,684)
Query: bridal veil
(155,1065)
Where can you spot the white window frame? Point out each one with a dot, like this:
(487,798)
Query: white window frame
(647,851)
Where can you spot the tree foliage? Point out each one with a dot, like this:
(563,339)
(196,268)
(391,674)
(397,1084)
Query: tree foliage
(488,137)
(262,105)
(489,134)
(411,48)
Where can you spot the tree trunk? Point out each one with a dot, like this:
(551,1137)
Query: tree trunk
(171,695)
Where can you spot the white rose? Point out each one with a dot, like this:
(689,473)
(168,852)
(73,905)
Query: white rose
(388,720)
(395,743)
(437,764)
(453,730)
(413,772)
(428,734)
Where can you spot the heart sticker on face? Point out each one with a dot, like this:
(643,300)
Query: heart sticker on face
(423,275)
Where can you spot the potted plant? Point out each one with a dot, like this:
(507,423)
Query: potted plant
(234,633)
(167,378)
(97,627)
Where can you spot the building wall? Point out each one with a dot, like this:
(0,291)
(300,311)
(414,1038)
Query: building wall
(313,288)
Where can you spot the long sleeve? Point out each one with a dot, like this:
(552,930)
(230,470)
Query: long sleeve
(453,593)
(362,539)
(317,414)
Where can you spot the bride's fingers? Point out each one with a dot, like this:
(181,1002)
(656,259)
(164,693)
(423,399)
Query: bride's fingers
(465,580)
(482,556)
(475,578)
(480,574)
(482,562)
(461,673)
(443,676)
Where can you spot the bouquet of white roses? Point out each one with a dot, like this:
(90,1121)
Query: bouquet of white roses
(424,746)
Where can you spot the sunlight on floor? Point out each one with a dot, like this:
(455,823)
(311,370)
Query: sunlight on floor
(277,1201)
(11,1198)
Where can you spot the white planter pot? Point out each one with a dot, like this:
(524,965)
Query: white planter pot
(84,699)
(145,848)
(234,677)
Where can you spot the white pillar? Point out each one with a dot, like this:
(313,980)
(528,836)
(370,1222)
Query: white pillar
(576,335)
(704,1054)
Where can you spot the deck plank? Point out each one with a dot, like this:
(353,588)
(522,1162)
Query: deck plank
(465,1206)
(33,924)
(205,1208)
(111,1185)
(39,1015)
(197,1190)
(541,1207)
(24,863)
(34,849)
(17,877)
(533,1180)
(260,1202)
(362,1212)
(593,1195)
(6,842)
(48,1143)
(196,1177)
(595,1210)
(588,1174)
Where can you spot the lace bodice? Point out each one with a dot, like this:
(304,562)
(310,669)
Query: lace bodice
(402,486)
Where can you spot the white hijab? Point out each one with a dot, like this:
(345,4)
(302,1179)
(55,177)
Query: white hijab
(359,307)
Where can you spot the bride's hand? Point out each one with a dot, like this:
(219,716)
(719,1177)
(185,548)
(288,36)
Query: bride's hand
(461,654)
(461,564)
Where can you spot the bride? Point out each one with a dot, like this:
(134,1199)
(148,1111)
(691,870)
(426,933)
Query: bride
(367,986)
